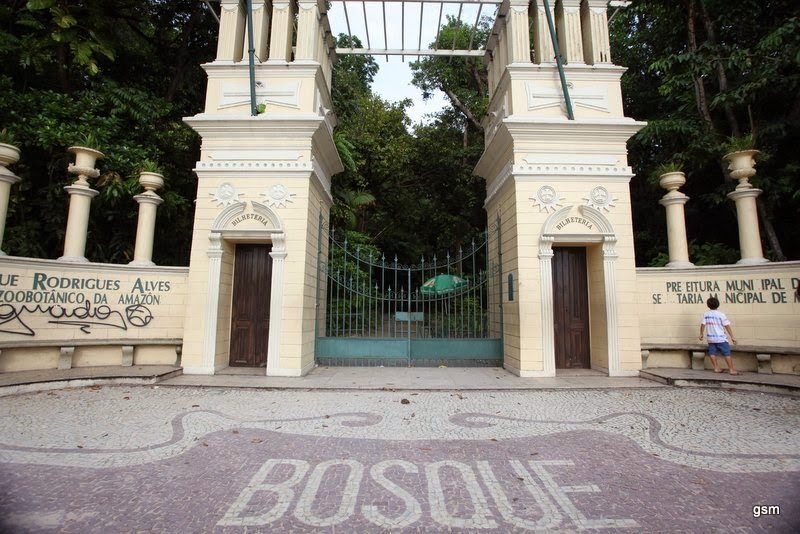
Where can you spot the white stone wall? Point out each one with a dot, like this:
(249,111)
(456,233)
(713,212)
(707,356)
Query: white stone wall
(759,300)
(97,308)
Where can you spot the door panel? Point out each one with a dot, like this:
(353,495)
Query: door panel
(571,308)
(252,285)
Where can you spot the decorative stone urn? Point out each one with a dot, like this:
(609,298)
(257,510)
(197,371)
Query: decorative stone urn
(671,181)
(9,155)
(85,159)
(741,165)
(151,181)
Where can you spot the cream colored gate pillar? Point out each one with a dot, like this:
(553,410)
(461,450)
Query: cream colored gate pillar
(262,180)
(554,182)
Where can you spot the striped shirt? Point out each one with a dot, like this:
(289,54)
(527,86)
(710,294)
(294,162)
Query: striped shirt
(715,322)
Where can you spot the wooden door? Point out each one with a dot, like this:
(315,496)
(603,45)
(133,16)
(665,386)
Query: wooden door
(571,308)
(252,284)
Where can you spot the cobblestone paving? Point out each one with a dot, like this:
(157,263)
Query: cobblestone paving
(130,459)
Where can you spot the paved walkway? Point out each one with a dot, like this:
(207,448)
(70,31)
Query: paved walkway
(643,458)
(390,378)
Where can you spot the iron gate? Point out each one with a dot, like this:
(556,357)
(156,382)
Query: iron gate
(374,311)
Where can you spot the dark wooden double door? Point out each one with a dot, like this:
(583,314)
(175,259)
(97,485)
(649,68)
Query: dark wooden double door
(252,288)
(571,308)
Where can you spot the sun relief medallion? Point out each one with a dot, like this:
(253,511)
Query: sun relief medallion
(547,199)
(600,199)
(278,195)
(225,195)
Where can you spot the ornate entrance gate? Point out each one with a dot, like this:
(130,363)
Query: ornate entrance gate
(374,311)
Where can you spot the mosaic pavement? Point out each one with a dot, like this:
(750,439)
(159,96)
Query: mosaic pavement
(126,459)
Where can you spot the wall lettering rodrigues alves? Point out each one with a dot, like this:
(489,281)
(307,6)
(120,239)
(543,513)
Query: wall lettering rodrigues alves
(82,301)
(742,291)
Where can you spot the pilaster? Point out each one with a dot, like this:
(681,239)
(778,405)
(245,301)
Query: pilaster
(612,323)
(212,304)
(546,287)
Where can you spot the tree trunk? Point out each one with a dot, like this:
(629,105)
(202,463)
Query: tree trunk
(63,78)
(459,105)
(769,231)
(722,77)
(182,57)
(699,88)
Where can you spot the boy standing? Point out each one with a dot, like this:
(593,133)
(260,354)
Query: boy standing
(716,325)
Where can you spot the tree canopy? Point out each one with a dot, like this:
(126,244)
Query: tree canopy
(125,72)
(701,72)
(120,72)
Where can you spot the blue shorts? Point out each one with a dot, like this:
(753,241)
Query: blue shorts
(721,348)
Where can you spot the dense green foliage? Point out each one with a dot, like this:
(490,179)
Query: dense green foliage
(120,72)
(126,71)
(700,72)
(411,189)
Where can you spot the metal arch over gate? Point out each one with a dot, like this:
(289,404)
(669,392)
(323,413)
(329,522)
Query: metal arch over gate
(374,311)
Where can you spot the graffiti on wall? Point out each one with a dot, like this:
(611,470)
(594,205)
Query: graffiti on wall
(78,301)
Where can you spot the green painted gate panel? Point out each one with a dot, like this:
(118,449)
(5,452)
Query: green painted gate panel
(457,349)
(338,347)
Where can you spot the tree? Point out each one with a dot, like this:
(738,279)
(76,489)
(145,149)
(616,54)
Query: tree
(701,71)
(463,80)
(125,72)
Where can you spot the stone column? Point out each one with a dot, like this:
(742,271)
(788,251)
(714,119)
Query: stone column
(594,27)
(80,202)
(280,44)
(674,201)
(145,229)
(742,166)
(570,38)
(9,155)
(542,45)
(747,216)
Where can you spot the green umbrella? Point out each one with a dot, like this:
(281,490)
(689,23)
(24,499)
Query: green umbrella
(442,284)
